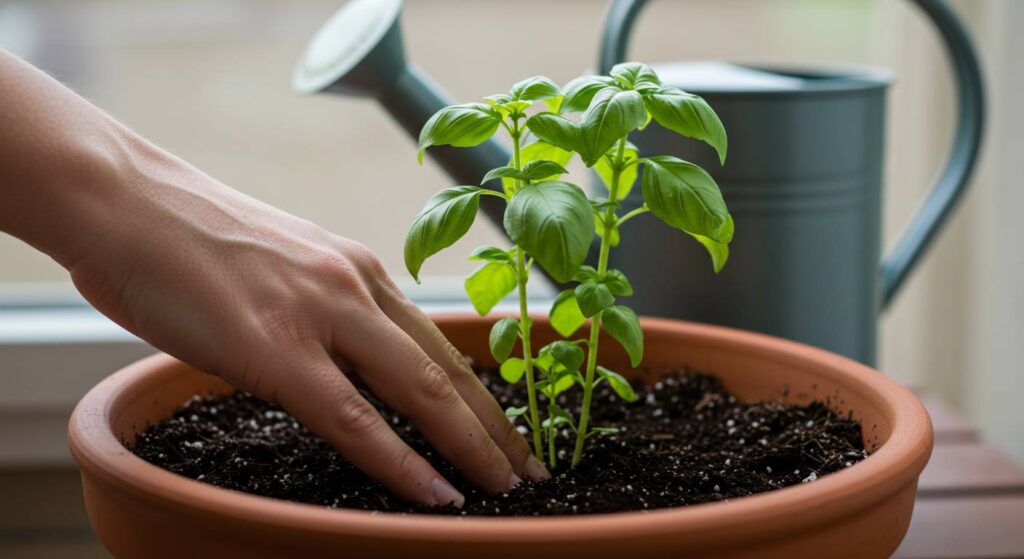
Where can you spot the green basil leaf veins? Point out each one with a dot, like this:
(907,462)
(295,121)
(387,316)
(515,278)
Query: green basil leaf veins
(635,75)
(686,197)
(557,131)
(581,91)
(689,115)
(460,126)
(612,114)
(502,172)
(593,297)
(534,89)
(539,169)
(445,218)
(552,221)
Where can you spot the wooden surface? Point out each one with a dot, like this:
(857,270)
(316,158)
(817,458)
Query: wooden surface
(970,502)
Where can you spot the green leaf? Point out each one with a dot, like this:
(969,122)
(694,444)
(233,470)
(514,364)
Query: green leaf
(517,106)
(618,383)
(555,421)
(567,354)
(513,411)
(622,324)
(552,221)
(537,151)
(627,178)
(559,416)
(556,130)
(445,218)
(554,103)
(635,75)
(719,252)
(491,254)
(534,89)
(593,297)
(460,126)
(544,362)
(612,115)
(689,115)
(539,169)
(489,284)
(566,317)
(617,283)
(686,197)
(513,369)
(503,338)
(585,273)
(501,173)
(603,431)
(580,92)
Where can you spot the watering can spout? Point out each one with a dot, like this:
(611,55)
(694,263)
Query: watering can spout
(359,52)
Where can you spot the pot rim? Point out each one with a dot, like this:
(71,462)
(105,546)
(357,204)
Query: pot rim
(894,465)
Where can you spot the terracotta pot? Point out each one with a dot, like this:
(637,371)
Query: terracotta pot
(140,510)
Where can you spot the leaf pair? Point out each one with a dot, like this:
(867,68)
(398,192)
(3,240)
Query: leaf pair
(673,108)
(536,170)
(471,124)
(611,114)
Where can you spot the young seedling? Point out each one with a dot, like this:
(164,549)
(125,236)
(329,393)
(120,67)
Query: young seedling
(553,223)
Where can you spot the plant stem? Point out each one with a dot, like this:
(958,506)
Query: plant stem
(595,323)
(552,458)
(522,276)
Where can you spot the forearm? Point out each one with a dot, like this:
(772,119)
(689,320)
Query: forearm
(69,173)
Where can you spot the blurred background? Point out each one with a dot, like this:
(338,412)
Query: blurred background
(209,81)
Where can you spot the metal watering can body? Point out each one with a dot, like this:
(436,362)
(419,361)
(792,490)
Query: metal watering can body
(803,181)
(803,178)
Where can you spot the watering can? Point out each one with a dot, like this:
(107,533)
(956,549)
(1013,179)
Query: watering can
(803,179)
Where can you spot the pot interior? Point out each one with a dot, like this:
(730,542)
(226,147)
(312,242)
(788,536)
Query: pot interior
(750,366)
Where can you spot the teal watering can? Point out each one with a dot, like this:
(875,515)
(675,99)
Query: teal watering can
(803,179)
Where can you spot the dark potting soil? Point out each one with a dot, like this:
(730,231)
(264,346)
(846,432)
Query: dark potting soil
(684,441)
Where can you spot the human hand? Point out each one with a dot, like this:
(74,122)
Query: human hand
(280,308)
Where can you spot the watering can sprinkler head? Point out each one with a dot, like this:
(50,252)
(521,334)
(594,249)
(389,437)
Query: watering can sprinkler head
(359,51)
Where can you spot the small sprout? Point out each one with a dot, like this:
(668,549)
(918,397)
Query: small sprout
(552,223)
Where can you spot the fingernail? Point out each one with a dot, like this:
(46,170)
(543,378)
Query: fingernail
(535,470)
(445,494)
(513,481)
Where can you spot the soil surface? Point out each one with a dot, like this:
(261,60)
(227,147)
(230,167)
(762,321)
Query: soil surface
(684,441)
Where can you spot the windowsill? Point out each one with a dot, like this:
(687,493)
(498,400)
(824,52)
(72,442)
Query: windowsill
(54,347)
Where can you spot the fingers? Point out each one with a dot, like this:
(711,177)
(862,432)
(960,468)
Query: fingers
(320,397)
(429,337)
(399,372)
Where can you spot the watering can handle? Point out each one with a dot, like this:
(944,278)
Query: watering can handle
(970,123)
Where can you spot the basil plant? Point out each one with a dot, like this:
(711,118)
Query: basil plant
(552,223)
